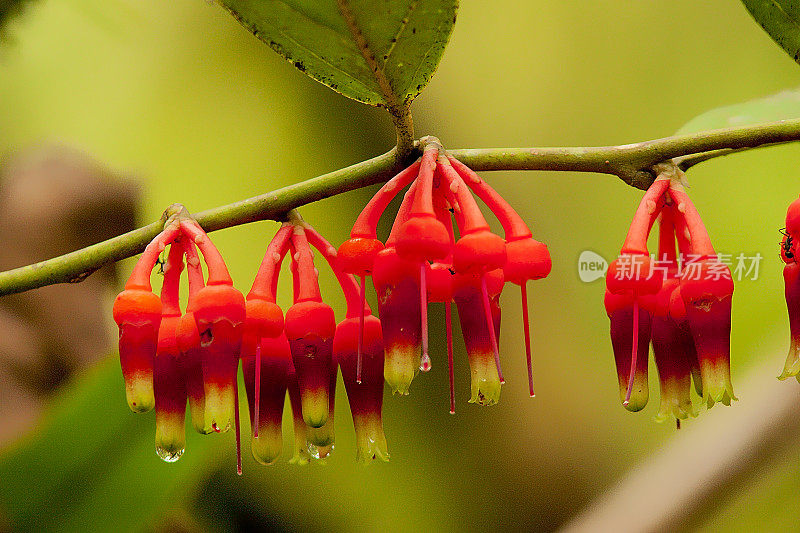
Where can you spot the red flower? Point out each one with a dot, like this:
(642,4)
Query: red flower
(791,278)
(219,310)
(631,283)
(673,347)
(266,356)
(169,383)
(305,358)
(310,325)
(137,312)
(706,288)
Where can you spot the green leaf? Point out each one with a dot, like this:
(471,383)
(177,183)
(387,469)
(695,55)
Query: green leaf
(377,52)
(90,456)
(781,20)
(781,106)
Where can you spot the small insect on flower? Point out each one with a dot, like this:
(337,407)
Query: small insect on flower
(791,278)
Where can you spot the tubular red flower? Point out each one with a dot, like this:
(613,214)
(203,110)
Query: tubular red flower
(791,278)
(137,312)
(468,295)
(310,325)
(398,287)
(276,363)
(168,377)
(190,346)
(219,310)
(526,258)
(478,250)
(706,289)
(365,398)
(631,282)
(673,346)
(630,326)
(358,329)
(263,316)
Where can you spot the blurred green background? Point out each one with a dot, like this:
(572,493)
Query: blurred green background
(179,95)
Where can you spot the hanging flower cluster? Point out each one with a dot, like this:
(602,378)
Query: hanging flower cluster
(424,260)
(682,306)
(169,357)
(303,352)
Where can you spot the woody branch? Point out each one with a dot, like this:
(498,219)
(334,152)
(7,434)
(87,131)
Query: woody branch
(632,163)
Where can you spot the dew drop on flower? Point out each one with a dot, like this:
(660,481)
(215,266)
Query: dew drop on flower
(315,451)
(425,364)
(169,455)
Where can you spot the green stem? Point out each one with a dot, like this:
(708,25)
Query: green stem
(632,163)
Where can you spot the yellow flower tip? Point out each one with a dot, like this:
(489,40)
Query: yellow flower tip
(485,391)
(373,447)
(671,410)
(723,396)
(301,457)
(399,373)
(367,458)
(315,407)
(321,437)
(139,394)
(141,406)
(267,447)
(790,371)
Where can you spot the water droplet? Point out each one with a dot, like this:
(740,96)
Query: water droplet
(425,364)
(276,257)
(320,452)
(313,450)
(169,455)
(198,239)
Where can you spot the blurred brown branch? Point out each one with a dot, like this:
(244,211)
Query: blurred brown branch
(675,489)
